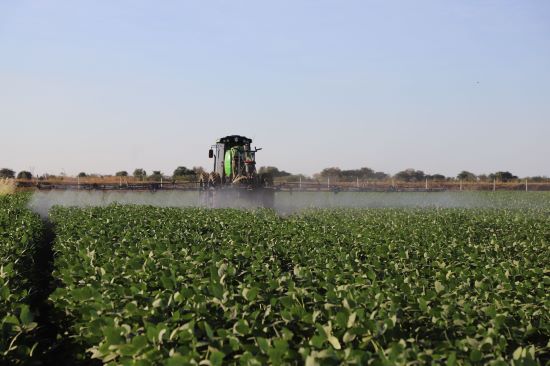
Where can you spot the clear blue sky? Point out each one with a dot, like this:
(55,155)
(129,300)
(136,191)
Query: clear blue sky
(101,86)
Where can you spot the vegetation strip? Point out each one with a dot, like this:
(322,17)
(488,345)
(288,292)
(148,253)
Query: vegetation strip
(142,285)
(20,236)
(145,285)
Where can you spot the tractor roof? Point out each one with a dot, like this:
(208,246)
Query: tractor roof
(235,140)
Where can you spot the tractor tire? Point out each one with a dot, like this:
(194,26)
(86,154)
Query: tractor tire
(203,180)
(214,179)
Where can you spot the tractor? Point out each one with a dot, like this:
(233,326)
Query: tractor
(234,181)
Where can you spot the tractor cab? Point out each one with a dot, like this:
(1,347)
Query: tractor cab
(234,161)
(234,181)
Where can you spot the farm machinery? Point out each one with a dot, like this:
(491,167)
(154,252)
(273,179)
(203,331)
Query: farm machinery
(234,180)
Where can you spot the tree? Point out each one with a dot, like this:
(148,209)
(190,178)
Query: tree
(82,175)
(333,172)
(156,176)
(140,173)
(380,175)
(362,173)
(503,176)
(7,173)
(351,174)
(538,179)
(122,173)
(46,176)
(198,170)
(410,175)
(24,175)
(182,171)
(436,177)
(296,178)
(272,171)
(466,175)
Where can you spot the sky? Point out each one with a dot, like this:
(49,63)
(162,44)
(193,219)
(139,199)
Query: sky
(440,86)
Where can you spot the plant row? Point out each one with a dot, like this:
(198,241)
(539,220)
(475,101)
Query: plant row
(20,235)
(142,285)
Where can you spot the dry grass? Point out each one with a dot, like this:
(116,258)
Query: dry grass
(7,186)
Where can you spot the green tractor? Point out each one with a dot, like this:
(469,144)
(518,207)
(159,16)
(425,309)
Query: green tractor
(234,180)
(234,163)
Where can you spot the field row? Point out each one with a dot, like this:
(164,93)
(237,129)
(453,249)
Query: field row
(20,235)
(144,285)
(139,285)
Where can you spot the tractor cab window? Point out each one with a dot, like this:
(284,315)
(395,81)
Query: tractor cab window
(249,156)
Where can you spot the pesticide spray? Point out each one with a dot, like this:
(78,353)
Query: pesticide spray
(283,202)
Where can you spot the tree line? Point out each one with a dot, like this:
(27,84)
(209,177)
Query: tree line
(407,175)
(180,172)
(335,173)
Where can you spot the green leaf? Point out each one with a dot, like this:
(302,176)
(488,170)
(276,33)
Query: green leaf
(263,344)
(139,341)
(216,290)
(177,360)
(475,355)
(422,304)
(166,282)
(451,360)
(11,319)
(26,316)
(216,358)
(113,335)
(317,341)
(241,327)
(251,293)
(208,330)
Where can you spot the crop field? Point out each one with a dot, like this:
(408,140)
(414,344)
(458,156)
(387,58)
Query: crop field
(144,285)
(20,235)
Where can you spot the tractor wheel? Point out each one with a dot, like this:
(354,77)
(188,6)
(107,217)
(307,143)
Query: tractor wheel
(215,179)
(203,180)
